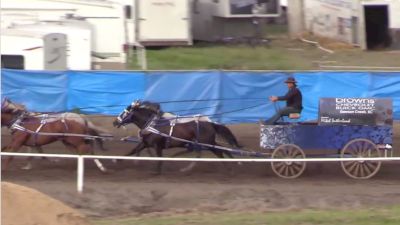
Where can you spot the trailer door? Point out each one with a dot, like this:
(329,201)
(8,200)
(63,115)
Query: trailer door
(164,22)
(55,56)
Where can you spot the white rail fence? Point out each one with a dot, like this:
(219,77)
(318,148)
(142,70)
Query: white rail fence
(81,160)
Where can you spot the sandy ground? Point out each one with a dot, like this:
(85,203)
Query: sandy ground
(38,208)
(132,188)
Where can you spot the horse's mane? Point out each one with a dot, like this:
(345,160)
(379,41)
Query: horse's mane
(155,107)
(8,104)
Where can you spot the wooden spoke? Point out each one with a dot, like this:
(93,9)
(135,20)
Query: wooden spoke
(288,169)
(360,148)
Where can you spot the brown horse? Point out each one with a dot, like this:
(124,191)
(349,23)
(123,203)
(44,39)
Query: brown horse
(35,131)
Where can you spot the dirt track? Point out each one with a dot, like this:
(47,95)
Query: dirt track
(133,189)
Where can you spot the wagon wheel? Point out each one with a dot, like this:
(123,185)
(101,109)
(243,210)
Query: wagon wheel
(360,148)
(288,169)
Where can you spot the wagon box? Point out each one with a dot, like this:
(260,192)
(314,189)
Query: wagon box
(340,120)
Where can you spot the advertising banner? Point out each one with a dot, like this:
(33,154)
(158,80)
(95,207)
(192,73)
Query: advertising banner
(355,111)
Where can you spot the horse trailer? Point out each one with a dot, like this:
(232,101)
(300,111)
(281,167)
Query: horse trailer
(31,50)
(163,23)
(116,24)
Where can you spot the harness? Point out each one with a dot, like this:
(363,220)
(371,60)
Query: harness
(151,125)
(171,130)
(16,125)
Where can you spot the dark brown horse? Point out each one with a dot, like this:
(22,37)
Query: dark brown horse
(37,130)
(158,133)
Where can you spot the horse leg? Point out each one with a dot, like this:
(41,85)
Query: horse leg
(86,148)
(13,147)
(191,165)
(139,148)
(52,160)
(219,153)
(159,163)
(28,165)
(8,159)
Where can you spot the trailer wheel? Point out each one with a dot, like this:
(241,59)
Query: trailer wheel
(288,169)
(360,148)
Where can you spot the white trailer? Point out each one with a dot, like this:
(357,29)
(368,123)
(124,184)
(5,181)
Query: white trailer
(33,50)
(215,20)
(163,23)
(106,17)
(118,23)
(79,41)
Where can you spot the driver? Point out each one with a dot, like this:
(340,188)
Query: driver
(293,100)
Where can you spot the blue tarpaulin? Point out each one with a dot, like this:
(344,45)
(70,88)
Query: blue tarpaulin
(103,92)
(226,96)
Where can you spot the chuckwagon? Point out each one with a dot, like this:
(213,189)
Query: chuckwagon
(346,128)
(354,128)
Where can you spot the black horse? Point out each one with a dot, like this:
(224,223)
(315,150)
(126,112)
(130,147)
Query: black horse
(157,132)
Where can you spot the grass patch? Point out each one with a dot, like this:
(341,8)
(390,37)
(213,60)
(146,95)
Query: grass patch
(283,53)
(386,216)
(207,56)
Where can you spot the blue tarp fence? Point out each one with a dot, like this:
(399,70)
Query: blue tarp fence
(226,96)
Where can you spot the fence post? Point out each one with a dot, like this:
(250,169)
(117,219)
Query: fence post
(80,174)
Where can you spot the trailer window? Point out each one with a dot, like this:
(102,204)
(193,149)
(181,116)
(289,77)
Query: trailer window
(12,62)
(249,7)
(128,12)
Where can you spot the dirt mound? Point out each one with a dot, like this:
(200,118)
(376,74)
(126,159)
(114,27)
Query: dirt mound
(25,206)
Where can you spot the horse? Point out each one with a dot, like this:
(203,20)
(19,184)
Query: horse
(36,130)
(159,133)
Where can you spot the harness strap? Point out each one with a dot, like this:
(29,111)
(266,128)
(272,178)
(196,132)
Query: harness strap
(171,130)
(172,125)
(16,126)
(65,123)
(21,128)
(43,121)
(155,131)
(197,130)
(17,121)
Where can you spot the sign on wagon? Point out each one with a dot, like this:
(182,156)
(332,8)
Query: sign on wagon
(355,111)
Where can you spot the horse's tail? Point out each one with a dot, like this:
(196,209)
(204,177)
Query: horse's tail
(99,132)
(226,134)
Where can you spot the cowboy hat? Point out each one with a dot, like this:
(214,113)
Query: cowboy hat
(290,80)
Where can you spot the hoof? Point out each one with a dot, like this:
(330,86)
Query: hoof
(27,167)
(156,173)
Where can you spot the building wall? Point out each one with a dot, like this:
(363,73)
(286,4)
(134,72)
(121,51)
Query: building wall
(331,18)
(344,19)
(394,23)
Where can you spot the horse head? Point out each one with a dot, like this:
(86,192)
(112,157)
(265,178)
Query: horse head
(8,106)
(10,111)
(139,113)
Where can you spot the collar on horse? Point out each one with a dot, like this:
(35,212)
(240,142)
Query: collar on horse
(16,122)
